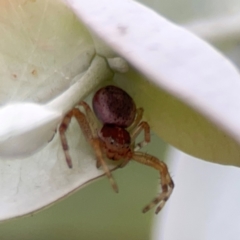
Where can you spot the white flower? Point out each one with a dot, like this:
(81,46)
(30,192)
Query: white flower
(189,91)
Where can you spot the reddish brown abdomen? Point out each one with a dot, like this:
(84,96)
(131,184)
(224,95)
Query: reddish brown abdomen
(112,105)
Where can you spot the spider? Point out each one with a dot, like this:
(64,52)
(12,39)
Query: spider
(122,123)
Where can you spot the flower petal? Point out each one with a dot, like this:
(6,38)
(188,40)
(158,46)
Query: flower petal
(47,65)
(194,103)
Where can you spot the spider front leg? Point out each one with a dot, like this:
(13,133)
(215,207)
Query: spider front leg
(166,180)
(143,126)
(137,120)
(62,130)
(136,129)
(90,135)
(92,123)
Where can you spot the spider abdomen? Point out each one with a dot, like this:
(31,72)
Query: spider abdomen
(112,105)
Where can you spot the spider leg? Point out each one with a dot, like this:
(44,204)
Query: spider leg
(143,126)
(137,120)
(91,117)
(62,130)
(135,130)
(92,122)
(97,147)
(166,181)
(91,137)
(64,126)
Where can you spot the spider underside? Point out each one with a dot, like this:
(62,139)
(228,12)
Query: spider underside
(125,150)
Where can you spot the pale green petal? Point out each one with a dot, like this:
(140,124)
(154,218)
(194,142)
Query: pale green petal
(44,51)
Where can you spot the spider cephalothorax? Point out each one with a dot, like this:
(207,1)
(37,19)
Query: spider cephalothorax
(116,142)
(121,124)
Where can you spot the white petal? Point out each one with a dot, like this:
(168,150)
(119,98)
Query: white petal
(49,54)
(205,201)
(25,128)
(44,51)
(196,105)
